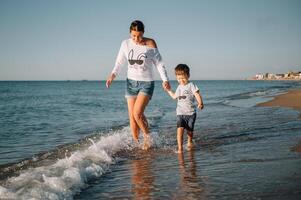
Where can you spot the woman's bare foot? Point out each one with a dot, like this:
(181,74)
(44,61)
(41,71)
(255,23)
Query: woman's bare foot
(146,142)
(136,142)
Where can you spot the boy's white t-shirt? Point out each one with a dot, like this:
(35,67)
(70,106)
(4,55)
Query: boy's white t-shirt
(185,97)
(140,60)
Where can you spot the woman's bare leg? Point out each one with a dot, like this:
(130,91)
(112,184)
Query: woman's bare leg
(134,126)
(138,112)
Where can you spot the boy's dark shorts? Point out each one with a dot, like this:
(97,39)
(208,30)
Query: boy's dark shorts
(186,121)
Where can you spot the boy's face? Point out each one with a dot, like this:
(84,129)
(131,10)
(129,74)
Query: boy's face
(182,79)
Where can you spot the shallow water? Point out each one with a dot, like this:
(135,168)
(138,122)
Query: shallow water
(71,140)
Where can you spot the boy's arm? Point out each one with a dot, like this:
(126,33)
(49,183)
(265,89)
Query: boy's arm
(199,99)
(171,94)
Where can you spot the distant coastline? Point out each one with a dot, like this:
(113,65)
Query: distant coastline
(282,77)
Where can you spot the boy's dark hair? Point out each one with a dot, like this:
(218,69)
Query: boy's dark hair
(137,26)
(182,69)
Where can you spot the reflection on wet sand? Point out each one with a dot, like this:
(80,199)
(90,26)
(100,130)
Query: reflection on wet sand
(142,178)
(190,186)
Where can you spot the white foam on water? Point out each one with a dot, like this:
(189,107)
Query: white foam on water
(258,93)
(265,93)
(253,98)
(68,176)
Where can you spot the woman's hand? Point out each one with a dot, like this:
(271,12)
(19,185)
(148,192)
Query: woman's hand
(110,80)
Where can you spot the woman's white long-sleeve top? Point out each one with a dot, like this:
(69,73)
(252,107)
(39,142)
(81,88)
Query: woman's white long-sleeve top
(140,60)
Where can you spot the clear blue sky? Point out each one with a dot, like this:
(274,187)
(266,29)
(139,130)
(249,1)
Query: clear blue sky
(218,39)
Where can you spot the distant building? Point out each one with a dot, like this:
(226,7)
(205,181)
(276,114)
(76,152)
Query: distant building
(279,76)
(271,76)
(295,75)
(287,76)
(259,76)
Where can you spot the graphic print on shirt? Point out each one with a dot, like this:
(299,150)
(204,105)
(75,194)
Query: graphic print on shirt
(138,63)
(185,93)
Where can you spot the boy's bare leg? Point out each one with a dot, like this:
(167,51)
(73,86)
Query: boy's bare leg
(180,132)
(139,107)
(189,139)
(133,124)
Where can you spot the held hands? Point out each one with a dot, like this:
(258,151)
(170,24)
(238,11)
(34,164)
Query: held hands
(166,85)
(167,88)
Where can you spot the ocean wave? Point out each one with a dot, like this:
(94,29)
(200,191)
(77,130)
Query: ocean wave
(61,173)
(67,176)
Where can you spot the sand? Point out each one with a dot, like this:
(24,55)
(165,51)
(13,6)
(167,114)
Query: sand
(291,99)
(297,147)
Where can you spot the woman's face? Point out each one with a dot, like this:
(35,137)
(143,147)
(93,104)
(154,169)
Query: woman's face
(137,36)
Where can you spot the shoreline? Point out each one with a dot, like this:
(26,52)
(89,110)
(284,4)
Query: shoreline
(291,99)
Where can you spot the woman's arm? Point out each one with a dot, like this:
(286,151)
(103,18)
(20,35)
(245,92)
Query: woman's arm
(157,59)
(120,60)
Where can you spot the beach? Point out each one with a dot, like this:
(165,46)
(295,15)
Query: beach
(72,140)
(291,99)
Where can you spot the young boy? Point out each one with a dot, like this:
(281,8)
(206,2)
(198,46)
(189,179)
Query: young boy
(186,112)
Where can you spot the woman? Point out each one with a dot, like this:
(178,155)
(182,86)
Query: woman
(140,54)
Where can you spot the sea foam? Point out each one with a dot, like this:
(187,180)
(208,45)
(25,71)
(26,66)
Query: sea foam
(67,176)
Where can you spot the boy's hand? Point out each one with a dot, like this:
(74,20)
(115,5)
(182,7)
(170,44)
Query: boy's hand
(200,106)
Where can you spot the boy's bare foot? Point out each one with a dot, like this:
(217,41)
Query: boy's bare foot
(179,151)
(189,148)
(189,145)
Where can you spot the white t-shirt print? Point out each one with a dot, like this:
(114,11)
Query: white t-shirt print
(186,99)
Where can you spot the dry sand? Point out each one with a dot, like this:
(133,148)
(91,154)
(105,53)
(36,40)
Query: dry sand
(292,99)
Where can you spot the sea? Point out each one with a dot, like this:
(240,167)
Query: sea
(72,140)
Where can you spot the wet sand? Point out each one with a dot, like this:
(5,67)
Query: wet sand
(297,148)
(291,99)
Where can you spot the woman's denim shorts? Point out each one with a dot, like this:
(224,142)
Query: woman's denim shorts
(133,88)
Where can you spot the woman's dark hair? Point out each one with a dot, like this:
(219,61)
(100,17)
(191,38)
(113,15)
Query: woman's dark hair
(182,69)
(137,26)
